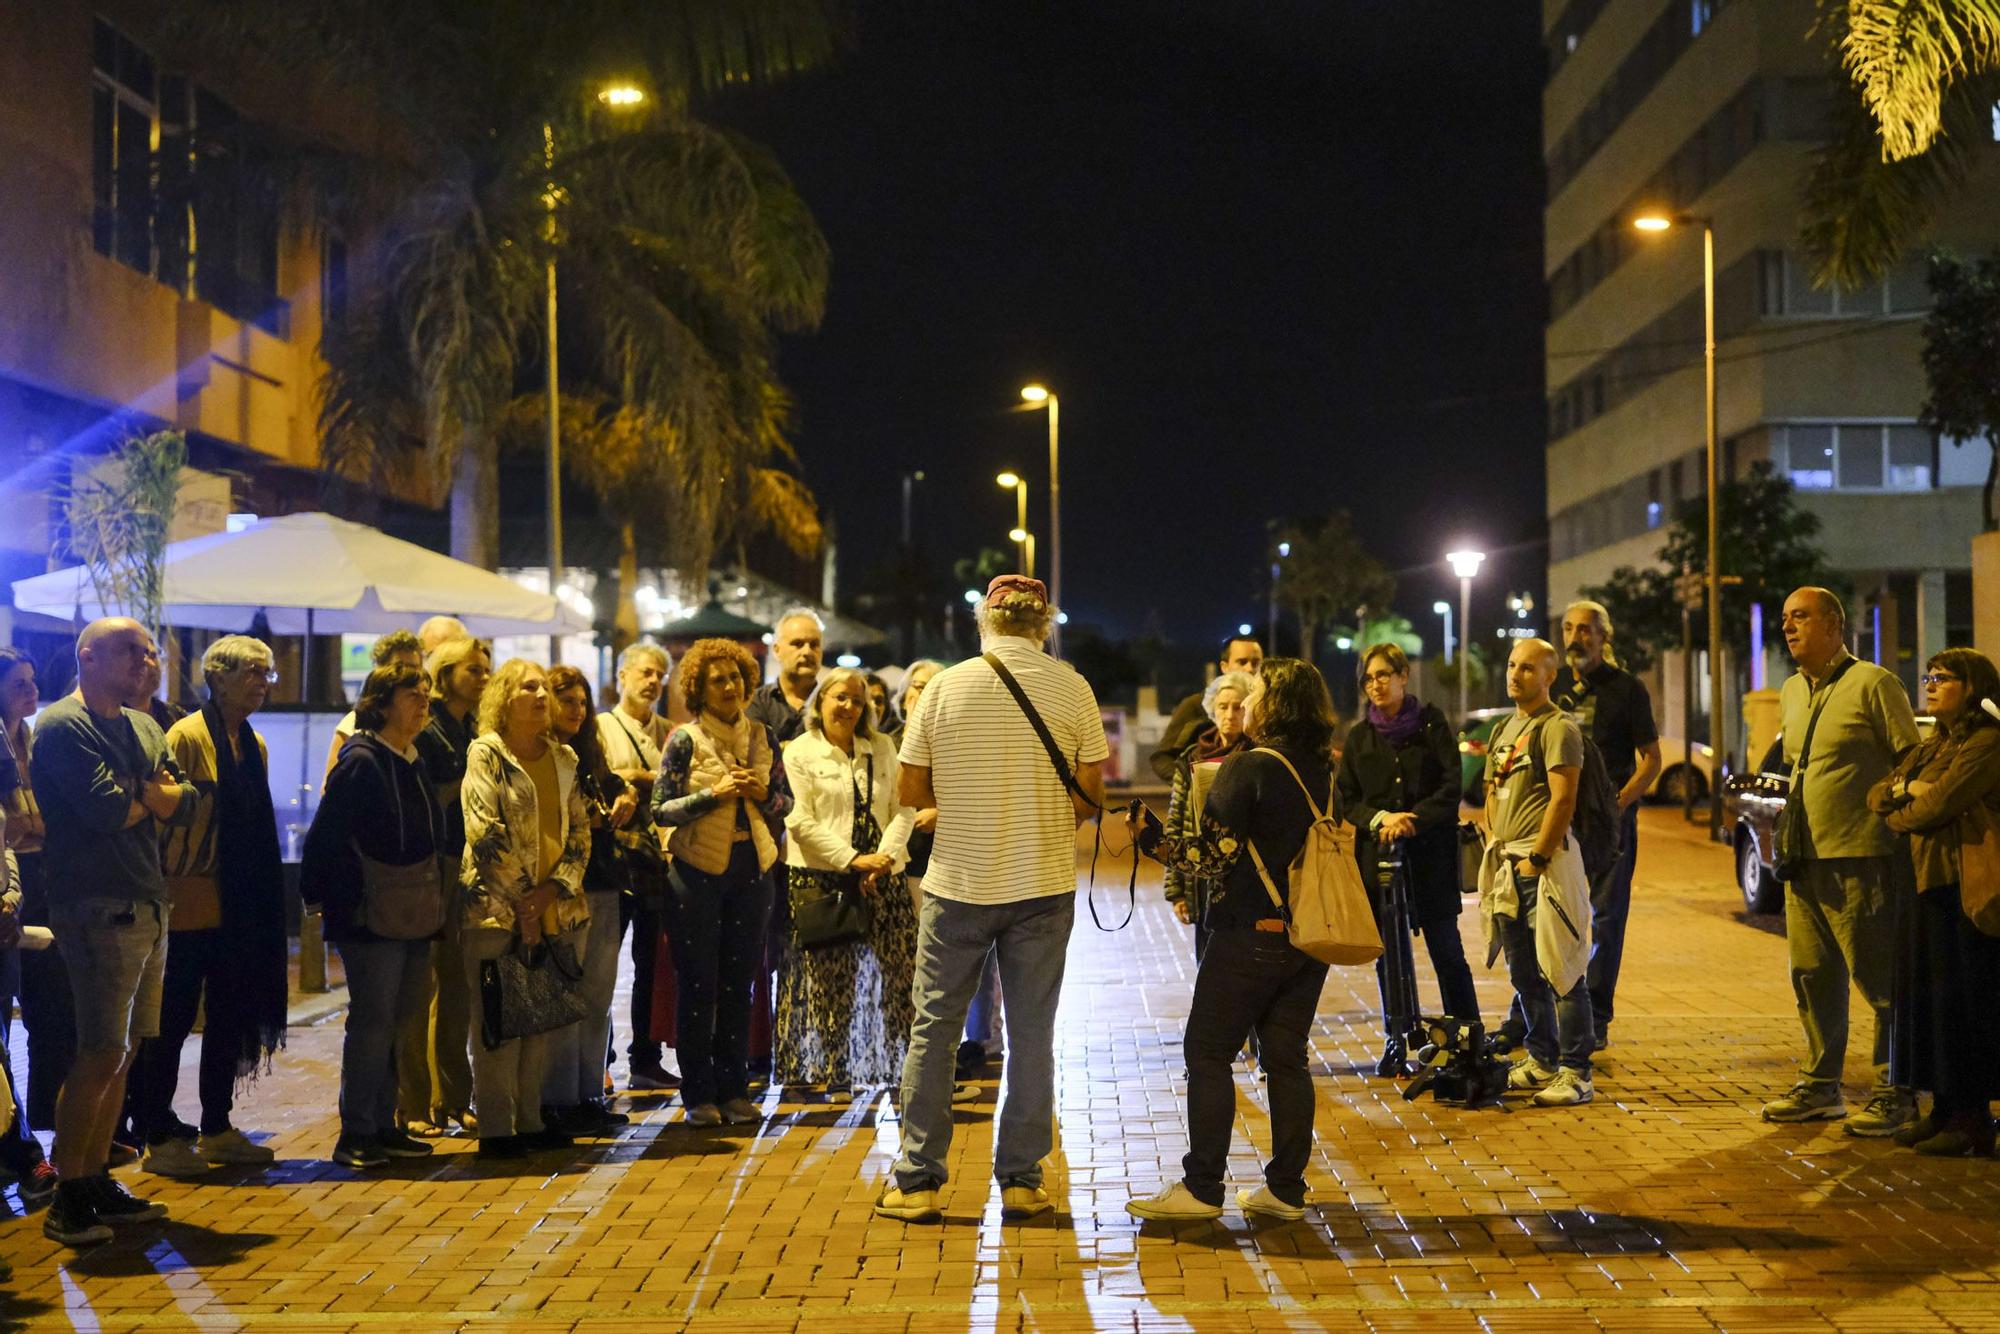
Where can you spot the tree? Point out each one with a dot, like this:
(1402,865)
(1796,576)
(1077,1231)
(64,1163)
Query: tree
(1962,357)
(1767,543)
(116,521)
(678,247)
(1328,573)
(1914,86)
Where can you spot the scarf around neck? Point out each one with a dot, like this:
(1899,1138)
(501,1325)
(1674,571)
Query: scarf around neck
(249,1014)
(1209,745)
(1403,728)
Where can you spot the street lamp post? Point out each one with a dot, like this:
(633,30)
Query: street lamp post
(1713,580)
(1023,540)
(1036,393)
(1443,608)
(1465,564)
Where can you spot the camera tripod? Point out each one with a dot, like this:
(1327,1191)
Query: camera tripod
(1455,1060)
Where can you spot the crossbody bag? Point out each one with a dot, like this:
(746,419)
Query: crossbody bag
(1792,835)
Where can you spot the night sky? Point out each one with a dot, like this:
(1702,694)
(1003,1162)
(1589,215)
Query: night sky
(1275,257)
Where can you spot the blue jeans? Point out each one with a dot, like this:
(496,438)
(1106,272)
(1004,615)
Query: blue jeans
(716,926)
(983,1019)
(387,982)
(1559,1027)
(1031,939)
(1610,905)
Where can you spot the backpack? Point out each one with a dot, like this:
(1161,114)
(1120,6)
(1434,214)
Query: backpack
(1330,916)
(1595,824)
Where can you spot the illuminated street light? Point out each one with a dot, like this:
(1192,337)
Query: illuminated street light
(622,95)
(1017,535)
(1652,222)
(1034,393)
(1243,629)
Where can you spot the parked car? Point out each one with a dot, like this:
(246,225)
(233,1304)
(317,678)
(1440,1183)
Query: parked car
(1678,767)
(1750,806)
(1474,734)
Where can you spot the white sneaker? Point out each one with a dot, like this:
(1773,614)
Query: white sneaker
(1266,1205)
(1529,1073)
(173,1158)
(961,1094)
(1174,1204)
(233,1146)
(1567,1089)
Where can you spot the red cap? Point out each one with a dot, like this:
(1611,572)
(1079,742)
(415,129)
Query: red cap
(1016,583)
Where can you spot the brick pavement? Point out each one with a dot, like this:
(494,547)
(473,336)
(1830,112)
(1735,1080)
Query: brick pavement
(1664,1205)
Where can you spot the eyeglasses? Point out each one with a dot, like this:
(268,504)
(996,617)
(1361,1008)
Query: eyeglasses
(1938,678)
(1377,678)
(268,675)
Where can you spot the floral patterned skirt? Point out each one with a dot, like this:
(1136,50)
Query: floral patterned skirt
(844,1013)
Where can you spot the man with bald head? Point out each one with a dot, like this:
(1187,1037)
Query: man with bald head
(106,782)
(1538,903)
(1840,911)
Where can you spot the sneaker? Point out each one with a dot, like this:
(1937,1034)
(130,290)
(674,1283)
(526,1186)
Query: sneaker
(1529,1073)
(115,1204)
(354,1151)
(1174,1204)
(1266,1205)
(964,1093)
(72,1218)
(1024,1201)
(37,1183)
(1569,1088)
(402,1144)
(173,1158)
(651,1077)
(704,1115)
(911,1206)
(1808,1102)
(1885,1113)
(233,1146)
(741,1112)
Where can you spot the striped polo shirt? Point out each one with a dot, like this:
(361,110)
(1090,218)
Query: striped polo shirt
(1006,830)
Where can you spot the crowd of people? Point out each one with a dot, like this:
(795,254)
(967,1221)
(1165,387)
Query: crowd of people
(831,885)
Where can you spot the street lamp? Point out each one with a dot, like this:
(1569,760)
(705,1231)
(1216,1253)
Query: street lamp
(1465,564)
(1658,223)
(1041,395)
(617,97)
(1443,608)
(1023,540)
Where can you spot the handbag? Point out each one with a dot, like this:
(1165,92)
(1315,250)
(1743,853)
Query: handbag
(1979,868)
(400,902)
(828,907)
(1791,836)
(530,989)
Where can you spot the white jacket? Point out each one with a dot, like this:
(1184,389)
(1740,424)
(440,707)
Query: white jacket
(824,779)
(1562,938)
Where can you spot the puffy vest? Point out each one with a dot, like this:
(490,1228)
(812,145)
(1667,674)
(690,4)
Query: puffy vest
(705,843)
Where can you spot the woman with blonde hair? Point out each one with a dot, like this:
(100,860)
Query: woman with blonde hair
(847,835)
(716,790)
(527,838)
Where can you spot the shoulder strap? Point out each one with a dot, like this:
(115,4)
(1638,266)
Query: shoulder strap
(1812,724)
(1063,770)
(1318,814)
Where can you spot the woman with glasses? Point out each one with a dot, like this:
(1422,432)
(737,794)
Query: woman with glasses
(1399,785)
(1954,967)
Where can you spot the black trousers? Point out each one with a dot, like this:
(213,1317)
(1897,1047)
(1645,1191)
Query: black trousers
(644,921)
(48,1009)
(717,930)
(1249,982)
(1958,967)
(197,961)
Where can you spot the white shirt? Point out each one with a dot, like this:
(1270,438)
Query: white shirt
(630,743)
(824,782)
(1006,830)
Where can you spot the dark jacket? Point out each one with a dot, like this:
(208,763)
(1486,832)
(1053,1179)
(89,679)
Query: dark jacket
(360,809)
(1255,798)
(1422,777)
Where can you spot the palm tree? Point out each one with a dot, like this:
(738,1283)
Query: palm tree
(1921,80)
(1329,573)
(680,248)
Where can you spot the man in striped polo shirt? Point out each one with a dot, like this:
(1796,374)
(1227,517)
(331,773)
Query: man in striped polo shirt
(1002,877)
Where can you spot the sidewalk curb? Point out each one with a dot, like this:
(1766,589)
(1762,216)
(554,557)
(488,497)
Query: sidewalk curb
(316,1007)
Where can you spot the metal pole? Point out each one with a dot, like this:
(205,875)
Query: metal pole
(1465,647)
(1448,642)
(1055,527)
(1022,549)
(1715,704)
(1687,704)
(555,431)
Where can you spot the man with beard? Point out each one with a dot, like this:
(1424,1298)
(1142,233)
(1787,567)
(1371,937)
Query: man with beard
(633,734)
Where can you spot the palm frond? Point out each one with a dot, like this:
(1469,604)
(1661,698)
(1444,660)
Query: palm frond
(1905,56)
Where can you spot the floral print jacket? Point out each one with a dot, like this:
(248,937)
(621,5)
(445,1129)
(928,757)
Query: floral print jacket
(503,836)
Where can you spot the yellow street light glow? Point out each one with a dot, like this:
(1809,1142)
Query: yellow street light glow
(1652,222)
(1010,481)
(1017,534)
(622,95)
(1035,393)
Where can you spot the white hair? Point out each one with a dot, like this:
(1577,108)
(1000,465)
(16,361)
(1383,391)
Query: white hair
(800,613)
(1240,682)
(232,653)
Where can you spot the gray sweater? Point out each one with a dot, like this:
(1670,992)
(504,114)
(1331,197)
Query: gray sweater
(88,772)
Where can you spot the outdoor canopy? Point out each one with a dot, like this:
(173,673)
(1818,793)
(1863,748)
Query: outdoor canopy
(316,574)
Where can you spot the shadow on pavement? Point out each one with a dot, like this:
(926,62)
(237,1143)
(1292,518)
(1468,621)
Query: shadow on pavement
(165,1249)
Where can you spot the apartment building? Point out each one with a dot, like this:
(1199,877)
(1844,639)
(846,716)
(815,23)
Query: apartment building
(1712,108)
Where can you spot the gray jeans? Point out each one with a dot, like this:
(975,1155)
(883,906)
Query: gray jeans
(507,1079)
(1032,940)
(575,1069)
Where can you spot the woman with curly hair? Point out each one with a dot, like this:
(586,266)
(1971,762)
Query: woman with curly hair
(1252,979)
(716,790)
(527,839)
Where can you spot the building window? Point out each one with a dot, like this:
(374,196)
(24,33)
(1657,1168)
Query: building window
(1785,291)
(1808,456)
(124,96)
(1855,456)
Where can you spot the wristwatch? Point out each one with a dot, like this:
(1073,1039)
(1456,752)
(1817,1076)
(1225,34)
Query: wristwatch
(1536,860)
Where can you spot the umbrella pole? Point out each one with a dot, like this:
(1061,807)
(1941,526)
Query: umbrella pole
(305,713)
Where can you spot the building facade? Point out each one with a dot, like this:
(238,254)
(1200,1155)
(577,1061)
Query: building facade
(1712,109)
